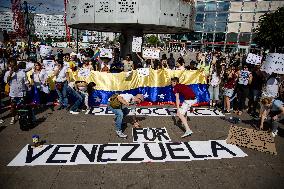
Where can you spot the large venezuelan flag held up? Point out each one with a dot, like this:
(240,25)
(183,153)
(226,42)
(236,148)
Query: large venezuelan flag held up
(154,85)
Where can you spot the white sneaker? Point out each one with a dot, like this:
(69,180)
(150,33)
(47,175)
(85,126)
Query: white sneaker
(1,121)
(274,133)
(74,113)
(120,134)
(187,133)
(12,122)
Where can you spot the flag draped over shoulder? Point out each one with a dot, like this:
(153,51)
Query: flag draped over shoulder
(153,84)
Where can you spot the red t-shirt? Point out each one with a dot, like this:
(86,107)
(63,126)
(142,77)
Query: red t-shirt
(185,91)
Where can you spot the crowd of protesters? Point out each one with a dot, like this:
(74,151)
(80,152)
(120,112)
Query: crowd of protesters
(234,86)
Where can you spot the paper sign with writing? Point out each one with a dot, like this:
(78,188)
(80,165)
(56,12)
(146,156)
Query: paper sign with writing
(49,65)
(136,44)
(253,59)
(150,53)
(84,72)
(105,53)
(274,63)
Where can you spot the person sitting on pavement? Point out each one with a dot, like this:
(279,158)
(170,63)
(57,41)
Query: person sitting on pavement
(118,104)
(74,96)
(273,108)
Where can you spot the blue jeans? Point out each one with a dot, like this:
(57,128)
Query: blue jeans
(63,95)
(119,115)
(77,98)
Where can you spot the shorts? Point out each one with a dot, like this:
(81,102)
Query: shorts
(214,92)
(228,92)
(17,100)
(186,106)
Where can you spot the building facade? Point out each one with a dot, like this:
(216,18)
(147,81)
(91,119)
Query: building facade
(228,24)
(45,25)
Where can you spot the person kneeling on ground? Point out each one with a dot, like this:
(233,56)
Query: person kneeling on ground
(118,104)
(273,108)
(73,94)
(189,100)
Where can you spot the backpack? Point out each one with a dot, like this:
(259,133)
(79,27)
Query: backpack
(114,102)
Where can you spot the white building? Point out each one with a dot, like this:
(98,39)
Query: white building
(45,25)
(49,25)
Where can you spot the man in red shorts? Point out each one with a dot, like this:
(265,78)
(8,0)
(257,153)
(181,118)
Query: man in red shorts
(189,100)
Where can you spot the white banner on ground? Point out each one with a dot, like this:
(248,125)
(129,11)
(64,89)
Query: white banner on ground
(253,59)
(274,63)
(76,154)
(150,135)
(137,44)
(151,53)
(139,111)
(105,53)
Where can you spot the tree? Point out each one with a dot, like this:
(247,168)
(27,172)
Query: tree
(270,31)
(153,40)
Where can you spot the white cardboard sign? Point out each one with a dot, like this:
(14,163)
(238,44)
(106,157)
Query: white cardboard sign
(45,50)
(150,53)
(49,65)
(137,44)
(274,63)
(84,72)
(105,53)
(253,59)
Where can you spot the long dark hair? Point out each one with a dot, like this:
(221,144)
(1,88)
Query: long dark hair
(90,88)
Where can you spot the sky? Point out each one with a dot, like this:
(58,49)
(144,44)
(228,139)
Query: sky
(41,6)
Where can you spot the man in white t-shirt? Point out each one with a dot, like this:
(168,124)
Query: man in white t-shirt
(118,105)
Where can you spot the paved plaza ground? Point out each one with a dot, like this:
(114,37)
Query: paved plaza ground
(257,170)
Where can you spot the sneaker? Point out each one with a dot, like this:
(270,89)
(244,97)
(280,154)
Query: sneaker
(12,122)
(120,134)
(187,133)
(274,133)
(1,121)
(74,113)
(227,112)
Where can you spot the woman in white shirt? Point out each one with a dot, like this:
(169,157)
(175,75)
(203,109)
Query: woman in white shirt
(214,82)
(62,79)
(39,80)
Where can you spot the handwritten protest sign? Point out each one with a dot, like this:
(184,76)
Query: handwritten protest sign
(84,72)
(253,59)
(105,53)
(150,53)
(274,63)
(49,65)
(136,44)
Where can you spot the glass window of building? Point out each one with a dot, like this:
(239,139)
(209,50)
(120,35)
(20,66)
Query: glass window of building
(209,27)
(219,37)
(208,37)
(223,6)
(198,26)
(210,17)
(200,7)
(232,37)
(199,17)
(221,26)
(222,16)
(249,6)
(211,6)
(244,37)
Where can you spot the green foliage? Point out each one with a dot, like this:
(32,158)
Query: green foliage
(152,40)
(270,31)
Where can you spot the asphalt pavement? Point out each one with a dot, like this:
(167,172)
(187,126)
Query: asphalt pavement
(257,170)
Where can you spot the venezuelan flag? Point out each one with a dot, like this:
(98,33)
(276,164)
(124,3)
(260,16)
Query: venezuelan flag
(155,86)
